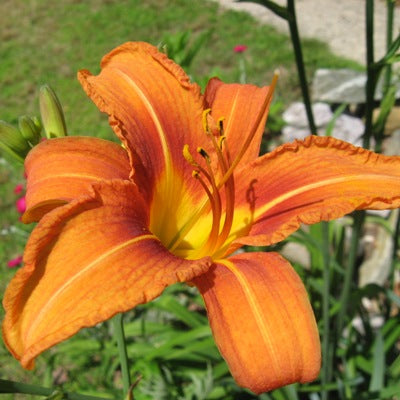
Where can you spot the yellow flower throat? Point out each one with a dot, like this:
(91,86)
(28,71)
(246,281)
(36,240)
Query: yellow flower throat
(214,172)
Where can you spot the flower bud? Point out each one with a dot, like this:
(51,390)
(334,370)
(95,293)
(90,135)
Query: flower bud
(29,130)
(12,141)
(15,262)
(51,113)
(37,123)
(20,205)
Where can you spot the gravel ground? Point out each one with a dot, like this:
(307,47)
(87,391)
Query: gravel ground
(340,23)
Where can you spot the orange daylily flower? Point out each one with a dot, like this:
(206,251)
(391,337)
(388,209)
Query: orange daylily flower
(187,189)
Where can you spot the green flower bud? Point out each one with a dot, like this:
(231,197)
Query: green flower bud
(37,123)
(51,113)
(12,141)
(29,129)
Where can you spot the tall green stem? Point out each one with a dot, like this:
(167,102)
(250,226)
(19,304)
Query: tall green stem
(389,40)
(326,362)
(289,14)
(349,272)
(23,388)
(396,236)
(123,356)
(371,76)
(295,38)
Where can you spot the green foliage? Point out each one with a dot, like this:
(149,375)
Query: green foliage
(364,357)
(181,49)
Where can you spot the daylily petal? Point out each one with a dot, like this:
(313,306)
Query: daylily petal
(59,170)
(85,262)
(239,106)
(262,320)
(152,107)
(318,179)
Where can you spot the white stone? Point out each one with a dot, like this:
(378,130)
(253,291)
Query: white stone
(349,128)
(346,127)
(296,114)
(343,86)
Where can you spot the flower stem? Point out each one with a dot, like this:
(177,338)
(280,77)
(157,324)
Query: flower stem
(396,235)
(288,13)
(371,74)
(349,272)
(123,356)
(326,351)
(295,38)
(389,39)
(7,386)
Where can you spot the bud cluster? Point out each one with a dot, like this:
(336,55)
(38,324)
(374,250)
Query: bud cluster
(17,142)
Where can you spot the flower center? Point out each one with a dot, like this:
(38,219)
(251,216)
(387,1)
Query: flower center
(217,179)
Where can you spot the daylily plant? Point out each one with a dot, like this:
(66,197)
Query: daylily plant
(174,203)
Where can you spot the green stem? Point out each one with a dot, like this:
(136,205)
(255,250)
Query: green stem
(394,253)
(325,375)
(123,356)
(371,75)
(349,272)
(7,386)
(295,38)
(389,40)
(272,6)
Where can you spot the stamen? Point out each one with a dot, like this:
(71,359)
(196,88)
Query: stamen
(229,189)
(229,206)
(253,131)
(188,157)
(216,133)
(215,202)
(204,154)
(214,196)
(220,123)
(221,140)
(213,237)
(214,241)
(206,128)
(227,179)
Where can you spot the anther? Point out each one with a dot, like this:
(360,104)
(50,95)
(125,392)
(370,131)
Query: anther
(204,120)
(220,123)
(188,157)
(221,140)
(204,154)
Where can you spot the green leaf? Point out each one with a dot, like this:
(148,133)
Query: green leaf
(386,107)
(196,46)
(172,305)
(179,339)
(394,368)
(378,373)
(390,392)
(392,337)
(331,124)
(200,350)
(391,53)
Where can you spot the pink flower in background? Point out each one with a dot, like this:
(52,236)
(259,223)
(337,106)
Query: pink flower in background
(19,188)
(240,48)
(15,262)
(20,204)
